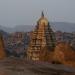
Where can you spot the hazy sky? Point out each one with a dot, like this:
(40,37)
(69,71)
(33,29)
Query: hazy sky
(27,12)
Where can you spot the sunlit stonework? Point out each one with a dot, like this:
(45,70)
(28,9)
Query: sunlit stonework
(2,51)
(42,41)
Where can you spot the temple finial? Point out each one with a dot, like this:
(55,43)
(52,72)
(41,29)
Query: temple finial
(42,14)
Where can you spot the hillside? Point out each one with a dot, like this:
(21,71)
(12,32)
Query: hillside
(62,26)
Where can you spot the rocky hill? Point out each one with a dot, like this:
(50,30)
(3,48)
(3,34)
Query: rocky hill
(62,26)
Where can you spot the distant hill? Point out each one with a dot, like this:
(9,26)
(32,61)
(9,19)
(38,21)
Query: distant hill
(24,28)
(18,28)
(62,26)
(6,29)
(5,34)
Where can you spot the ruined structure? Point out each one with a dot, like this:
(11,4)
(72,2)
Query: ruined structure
(42,41)
(2,51)
(64,54)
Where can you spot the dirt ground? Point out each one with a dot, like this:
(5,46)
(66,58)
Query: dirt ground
(23,67)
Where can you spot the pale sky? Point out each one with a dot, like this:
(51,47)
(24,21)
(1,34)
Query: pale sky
(27,12)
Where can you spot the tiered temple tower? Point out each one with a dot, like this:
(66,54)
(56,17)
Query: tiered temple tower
(42,41)
(2,51)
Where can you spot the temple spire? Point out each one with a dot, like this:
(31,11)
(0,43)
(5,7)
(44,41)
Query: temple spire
(42,14)
(42,41)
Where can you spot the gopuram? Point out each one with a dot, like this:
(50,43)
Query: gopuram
(42,41)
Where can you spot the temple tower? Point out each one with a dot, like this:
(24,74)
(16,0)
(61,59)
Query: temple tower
(2,51)
(42,41)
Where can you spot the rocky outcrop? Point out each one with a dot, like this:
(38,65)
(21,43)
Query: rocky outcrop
(64,54)
(2,51)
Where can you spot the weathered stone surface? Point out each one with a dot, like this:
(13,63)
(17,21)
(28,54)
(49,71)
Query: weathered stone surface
(2,51)
(64,54)
(42,41)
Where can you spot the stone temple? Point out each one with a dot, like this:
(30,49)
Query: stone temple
(42,41)
(2,50)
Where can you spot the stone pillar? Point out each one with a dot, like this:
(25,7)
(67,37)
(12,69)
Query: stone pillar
(2,50)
